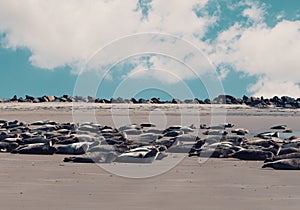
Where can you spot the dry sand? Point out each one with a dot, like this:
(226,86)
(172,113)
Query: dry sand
(45,182)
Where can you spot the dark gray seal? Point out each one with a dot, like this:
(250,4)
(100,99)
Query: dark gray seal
(213,153)
(284,164)
(252,154)
(285,156)
(288,150)
(95,157)
(36,149)
(279,127)
(8,146)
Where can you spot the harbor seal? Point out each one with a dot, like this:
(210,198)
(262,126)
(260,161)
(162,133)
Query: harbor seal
(240,131)
(279,127)
(73,149)
(95,157)
(215,132)
(285,156)
(284,164)
(36,149)
(252,154)
(8,146)
(138,157)
(267,135)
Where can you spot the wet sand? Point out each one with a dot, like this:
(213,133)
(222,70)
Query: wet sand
(46,182)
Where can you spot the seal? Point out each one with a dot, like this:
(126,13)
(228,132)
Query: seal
(186,129)
(73,149)
(36,149)
(95,157)
(34,140)
(147,125)
(138,157)
(8,146)
(285,156)
(172,133)
(240,131)
(181,148)
(150,137)
(252,154)
(128,127)
(267,135)
(187,138)
(284,164)
(132,131)
(279,127)
(261,142)
(215,153)
(215,132)
(288,150)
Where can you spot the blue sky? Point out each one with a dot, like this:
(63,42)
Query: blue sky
(253,47)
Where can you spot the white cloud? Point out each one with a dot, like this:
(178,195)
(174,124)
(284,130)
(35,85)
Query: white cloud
(161,68)
(262,51)
(269,88)
(223,72)
(255,12)
(63,32)
(272,54)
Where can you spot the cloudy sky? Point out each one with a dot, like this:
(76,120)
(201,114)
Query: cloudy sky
(146,48)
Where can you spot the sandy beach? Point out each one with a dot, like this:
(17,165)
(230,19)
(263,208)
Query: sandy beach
(46,182)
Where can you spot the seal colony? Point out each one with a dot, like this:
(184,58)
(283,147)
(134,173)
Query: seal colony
(144,143)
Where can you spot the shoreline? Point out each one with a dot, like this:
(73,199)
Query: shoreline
(202,108)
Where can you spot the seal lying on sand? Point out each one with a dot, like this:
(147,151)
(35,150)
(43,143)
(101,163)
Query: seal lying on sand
(37,149)
(252,154)
(95,157)
(213,153)
(279,127)
(288,150)
(284,164)
(73,149)
(8,146)
(240,131)
(138,157)
(285,156)
(267,135)
(215,132)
